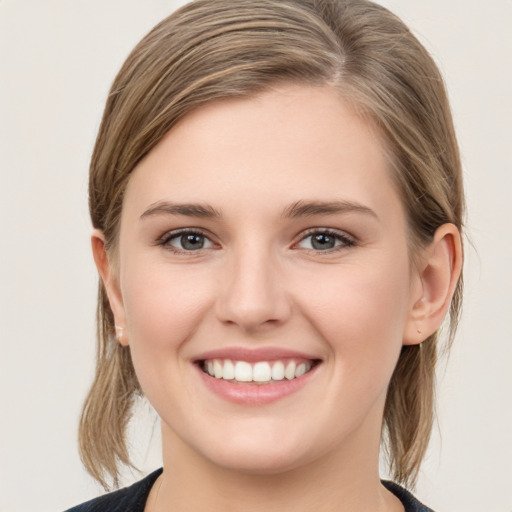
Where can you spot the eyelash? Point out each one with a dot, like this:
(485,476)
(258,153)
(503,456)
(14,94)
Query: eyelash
(338,236)
(165,240)
(346,241)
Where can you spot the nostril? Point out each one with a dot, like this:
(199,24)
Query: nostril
(253,313)
(251,294)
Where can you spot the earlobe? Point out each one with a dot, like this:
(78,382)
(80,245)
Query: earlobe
(109,278)
(438,273)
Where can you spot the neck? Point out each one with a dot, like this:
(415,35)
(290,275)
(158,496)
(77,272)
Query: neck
(190,483)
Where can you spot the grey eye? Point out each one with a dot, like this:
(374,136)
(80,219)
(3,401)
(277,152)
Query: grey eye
(190,241)
(322,241)
(325,241)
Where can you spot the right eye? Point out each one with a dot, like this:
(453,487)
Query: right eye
(186,241)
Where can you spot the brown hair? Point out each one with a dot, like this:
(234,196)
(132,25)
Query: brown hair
(213,49)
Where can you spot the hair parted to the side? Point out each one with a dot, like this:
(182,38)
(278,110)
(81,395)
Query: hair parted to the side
(215,49)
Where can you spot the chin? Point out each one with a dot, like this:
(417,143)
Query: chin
(258,463)
(260,451)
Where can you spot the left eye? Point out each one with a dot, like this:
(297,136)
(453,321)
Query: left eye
(189,241)
(324,241)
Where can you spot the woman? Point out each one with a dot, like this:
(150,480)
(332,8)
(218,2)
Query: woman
(277,206)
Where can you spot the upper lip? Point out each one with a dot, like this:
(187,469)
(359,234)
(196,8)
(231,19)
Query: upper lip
(253,355)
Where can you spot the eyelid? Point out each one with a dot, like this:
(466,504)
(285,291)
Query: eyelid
(346,239)
(172,234)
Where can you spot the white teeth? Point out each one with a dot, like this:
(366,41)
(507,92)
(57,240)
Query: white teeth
(289,373)
(262,371)
(229,370)
(217,369)
(301,370)
(243,371)
(278,371)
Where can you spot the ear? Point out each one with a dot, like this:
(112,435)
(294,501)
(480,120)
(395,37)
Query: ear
(110,281)
(437,274)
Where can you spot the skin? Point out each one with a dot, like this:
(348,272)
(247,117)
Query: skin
(259,282)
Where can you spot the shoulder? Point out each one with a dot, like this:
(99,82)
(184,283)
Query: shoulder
(128,499)
(410,503)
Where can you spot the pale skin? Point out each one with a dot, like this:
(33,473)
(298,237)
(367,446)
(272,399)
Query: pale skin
(299,242)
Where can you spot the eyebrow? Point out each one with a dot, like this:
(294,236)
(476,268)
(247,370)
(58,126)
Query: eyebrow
(188,209)
(312,208)
(298,209)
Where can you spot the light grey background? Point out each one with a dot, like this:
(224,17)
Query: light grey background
(57,59)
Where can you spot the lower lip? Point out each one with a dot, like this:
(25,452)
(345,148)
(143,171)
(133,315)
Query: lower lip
(252,393)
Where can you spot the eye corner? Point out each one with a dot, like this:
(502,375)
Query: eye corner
(324,240)
(187,241)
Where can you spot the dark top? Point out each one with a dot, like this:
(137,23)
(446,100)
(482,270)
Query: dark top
(133,498)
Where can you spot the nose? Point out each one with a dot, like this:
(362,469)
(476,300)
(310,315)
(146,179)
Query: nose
(252,292)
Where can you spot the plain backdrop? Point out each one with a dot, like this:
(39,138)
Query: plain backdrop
(57,60)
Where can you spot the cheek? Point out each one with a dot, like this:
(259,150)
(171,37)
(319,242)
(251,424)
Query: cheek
(163,306)
(361,313)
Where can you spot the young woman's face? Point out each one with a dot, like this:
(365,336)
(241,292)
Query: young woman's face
(262,241)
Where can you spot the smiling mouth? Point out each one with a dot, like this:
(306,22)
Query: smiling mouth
(260,372)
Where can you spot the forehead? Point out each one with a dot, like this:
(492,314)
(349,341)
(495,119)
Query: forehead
(276,147)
